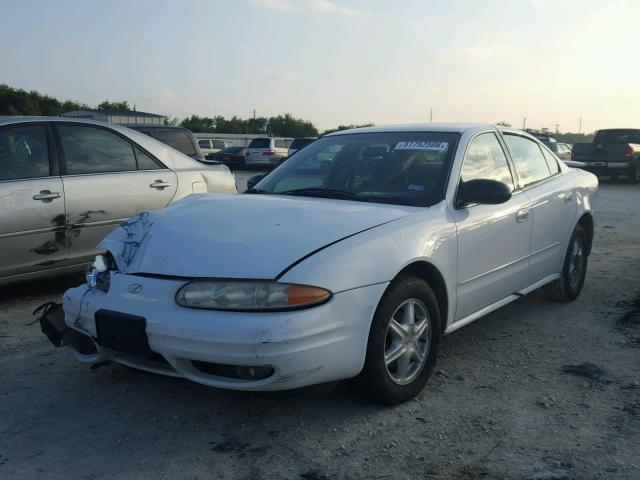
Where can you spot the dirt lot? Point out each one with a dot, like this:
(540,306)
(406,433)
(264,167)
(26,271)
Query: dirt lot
(499,406)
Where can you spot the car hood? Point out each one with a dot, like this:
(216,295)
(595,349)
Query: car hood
(238,236)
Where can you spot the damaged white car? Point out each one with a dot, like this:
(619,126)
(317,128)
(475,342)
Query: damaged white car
(350,260)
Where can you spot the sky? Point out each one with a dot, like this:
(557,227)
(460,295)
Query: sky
(336,62)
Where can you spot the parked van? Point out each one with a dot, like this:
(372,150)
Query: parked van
(267,151)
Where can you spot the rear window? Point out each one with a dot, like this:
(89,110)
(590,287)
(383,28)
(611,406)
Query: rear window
(298,143)
(617,136)
(204,143)
(178,140)
(260,143)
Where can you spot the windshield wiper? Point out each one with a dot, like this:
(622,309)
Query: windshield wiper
(324,193)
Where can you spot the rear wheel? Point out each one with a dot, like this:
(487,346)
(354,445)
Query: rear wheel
(403,342)
(569,285)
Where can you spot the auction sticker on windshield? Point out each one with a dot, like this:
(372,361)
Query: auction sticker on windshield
(433,146)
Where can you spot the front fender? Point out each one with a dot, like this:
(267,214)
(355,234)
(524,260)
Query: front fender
(378,255)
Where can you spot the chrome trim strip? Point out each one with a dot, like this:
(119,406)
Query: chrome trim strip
(537,252)
(500,303)
(464,282)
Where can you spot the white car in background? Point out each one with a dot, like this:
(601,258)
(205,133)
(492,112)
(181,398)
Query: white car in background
(65,183)
(350,260)
(267,151)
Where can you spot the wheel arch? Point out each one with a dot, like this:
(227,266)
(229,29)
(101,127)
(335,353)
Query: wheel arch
(433,277)
(586,222)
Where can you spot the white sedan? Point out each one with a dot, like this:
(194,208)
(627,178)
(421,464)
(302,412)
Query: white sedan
(350,260)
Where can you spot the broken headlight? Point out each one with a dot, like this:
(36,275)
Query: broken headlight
(243,295)
(98,274)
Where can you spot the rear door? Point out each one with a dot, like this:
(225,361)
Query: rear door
(32,213)
(553,205)
(493,240)
(107,178)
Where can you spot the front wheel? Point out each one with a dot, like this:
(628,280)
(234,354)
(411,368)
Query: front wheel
(403,342)
(574,269)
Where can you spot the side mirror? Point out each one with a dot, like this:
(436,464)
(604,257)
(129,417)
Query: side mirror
(255,179)
(482,191)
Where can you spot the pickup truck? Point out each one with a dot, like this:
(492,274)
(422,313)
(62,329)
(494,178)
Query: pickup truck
(614,153)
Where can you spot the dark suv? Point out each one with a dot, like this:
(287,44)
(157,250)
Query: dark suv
(177,137)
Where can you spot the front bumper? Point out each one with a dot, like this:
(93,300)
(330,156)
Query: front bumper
(304,347)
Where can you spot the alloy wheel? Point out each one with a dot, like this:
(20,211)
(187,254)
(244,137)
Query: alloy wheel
(407,341)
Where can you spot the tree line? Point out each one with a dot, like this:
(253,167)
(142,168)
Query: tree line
(14,101)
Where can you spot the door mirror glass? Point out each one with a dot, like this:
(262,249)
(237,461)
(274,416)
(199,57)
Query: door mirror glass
(482,191)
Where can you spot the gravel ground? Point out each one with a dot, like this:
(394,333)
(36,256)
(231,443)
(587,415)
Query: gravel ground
(499,406)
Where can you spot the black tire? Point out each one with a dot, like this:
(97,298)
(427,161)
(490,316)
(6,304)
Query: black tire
(375,381)
(569,285)
(634,174)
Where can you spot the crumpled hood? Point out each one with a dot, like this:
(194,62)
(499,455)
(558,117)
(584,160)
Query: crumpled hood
(238,236)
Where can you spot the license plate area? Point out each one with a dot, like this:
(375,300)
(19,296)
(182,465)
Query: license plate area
(122,332)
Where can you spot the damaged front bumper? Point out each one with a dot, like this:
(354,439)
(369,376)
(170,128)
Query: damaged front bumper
(137,323)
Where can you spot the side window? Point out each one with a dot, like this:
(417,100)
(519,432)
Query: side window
(24,152)
(204,144)
(552,163)
(279,143)
(217,144)
(145,162)
(528,159)
(485,159)
(95,150)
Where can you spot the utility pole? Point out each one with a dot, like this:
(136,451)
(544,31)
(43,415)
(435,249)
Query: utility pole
(580,126)
(254,113)
(557,128)
(524,123)
(431,115)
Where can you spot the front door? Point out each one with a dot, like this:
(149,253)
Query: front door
(32,210)
(493,240)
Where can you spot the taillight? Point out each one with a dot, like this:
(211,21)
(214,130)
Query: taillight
(268,152)
(628,151)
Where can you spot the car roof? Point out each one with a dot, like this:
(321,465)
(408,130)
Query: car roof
(420,127)
(4,120)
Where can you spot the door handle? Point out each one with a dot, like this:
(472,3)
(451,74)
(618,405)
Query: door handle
(159,184)
(522,215)
(46,196)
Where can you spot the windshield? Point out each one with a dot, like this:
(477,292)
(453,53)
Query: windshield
(399,168)
(617,136)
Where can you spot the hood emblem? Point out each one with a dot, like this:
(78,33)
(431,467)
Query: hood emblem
(135,288)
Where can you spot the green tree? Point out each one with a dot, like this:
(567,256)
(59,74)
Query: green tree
(107,105)
(198,124)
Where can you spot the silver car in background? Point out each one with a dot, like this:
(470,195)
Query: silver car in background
(267,151)
(66,183)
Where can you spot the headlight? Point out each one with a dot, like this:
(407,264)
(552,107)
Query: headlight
(97,275)
(249,295)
